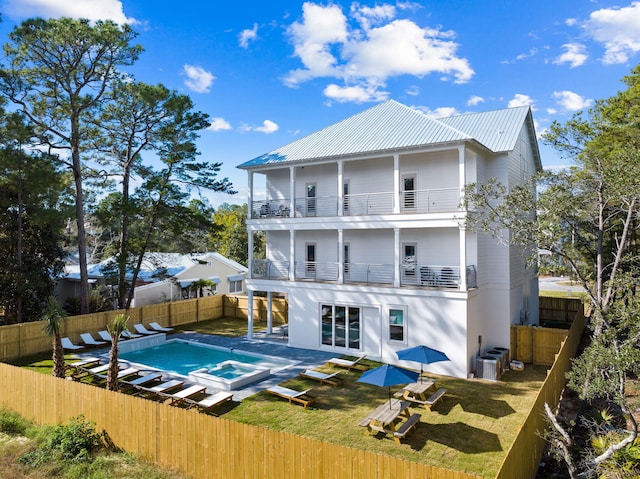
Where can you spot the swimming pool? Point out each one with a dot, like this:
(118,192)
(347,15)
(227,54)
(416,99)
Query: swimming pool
(182,357)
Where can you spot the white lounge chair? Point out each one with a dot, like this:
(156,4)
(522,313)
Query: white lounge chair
(331,379)
(349,364)
(210,402)
(142,380)
(129,335)
(161,329)
(104,335)
(187,393)
(88,340)
(301,397)
(142,330)
(69,346)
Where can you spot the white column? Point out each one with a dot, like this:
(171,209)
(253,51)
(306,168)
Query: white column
(250,314)
(396,258)
(463,233)
(340,189)
(292,255)
(292,192)
(250,198)
(250,252)
(396,184)
(269,312)
(340,256)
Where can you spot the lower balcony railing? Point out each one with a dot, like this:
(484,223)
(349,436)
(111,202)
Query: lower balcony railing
(440,200)
(411,275)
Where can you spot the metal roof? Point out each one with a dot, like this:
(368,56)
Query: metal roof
(393,126)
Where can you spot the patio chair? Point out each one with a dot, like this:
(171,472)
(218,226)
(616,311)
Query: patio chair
(324,378)
(300,397)
(161,389)
(210,402)
(88,340)
(129,335)
(180,396)
(140,328)
(81,363)
(349,364)
(161,329)
(143,380)
(123,373)
(69,346)
(104,335)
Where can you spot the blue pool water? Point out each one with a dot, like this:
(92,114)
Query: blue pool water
(182,357)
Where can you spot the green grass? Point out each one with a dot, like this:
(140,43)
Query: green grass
(470,430)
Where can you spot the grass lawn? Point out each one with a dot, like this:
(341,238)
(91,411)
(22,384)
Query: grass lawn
(470,430)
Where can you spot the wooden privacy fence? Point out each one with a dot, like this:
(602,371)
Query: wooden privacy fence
(27,339)
(525,453)
(199,445)
(559,312)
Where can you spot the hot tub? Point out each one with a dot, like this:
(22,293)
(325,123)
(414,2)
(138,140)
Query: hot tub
(229,375)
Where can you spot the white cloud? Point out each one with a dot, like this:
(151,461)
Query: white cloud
(570,22)
(413,90)
(574,55)
(475,100)
(618,29)
(267,127)
(198,79)
(90,9)
(520,100)
(441,112)
(365,57)
(248,35)
(219,124)
(571,101)
(355,94)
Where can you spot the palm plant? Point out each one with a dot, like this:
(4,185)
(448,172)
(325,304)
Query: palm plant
(53,316)
(118,326)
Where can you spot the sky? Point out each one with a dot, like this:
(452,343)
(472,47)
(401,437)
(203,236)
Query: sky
(270,72)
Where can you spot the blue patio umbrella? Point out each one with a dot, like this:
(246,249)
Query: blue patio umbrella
(387,376)
(423,355)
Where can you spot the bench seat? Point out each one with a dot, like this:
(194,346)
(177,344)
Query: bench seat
(434,398)
(406,427)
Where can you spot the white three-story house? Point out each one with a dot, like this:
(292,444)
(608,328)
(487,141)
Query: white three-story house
(365,234)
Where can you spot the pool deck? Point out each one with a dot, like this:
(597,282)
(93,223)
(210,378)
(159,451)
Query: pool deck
(268,345)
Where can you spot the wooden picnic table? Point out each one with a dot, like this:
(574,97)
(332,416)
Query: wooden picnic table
(417,392)
(388,418)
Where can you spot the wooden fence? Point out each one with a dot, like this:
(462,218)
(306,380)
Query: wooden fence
(526,451)
(203,446)
(27,339)
(559,312)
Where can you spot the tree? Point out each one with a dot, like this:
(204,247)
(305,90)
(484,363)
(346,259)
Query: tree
(116,329)
(32,209)
(230,236)
(588,216)
(53,317)
(58,73)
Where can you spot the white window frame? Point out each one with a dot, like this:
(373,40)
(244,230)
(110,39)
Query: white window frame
(404,323)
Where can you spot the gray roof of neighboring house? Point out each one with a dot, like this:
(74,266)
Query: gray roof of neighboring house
(392,126)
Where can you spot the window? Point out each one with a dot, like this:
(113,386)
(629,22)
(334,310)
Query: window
(409,258)
(235,286)
(345,198)
(340,326)
(346,258)
(408,192)
(310,259)
(311,199)
(396,324)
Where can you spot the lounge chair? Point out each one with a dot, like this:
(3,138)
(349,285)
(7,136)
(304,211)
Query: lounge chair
(324,378)
(123,373)
(87,362)
(104,335)
(161,389)
(348,364)
(210,402)
(301,397)
(180,396)
(88,340)
(142,330)
(141,380)
(161,329)
(69,346)
(129,335)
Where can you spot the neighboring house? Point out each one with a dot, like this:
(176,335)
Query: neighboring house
(168,277)
(366,236)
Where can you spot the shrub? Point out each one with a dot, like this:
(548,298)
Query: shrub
(12,423)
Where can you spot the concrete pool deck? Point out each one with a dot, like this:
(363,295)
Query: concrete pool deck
(262,344)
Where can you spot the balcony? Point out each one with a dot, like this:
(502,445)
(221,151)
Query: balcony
(411,275)
(443,200)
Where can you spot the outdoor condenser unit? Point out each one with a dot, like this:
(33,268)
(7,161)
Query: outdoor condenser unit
(487,368)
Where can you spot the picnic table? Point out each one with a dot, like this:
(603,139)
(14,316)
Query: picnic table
(418,391)
(388,418)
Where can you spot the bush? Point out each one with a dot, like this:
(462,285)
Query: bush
(12,423)
(72,443)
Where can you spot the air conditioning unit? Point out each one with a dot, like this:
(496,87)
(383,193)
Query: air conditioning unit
(487,368)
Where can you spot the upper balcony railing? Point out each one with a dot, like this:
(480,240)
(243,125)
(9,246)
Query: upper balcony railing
(411,275)
(441,200)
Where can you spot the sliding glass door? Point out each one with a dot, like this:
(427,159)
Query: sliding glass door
(340,326)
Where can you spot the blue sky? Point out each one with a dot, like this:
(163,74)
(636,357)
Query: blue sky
(271,72)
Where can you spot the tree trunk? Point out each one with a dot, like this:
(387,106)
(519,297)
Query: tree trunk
(82,237)
(58,357)
(112,373)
